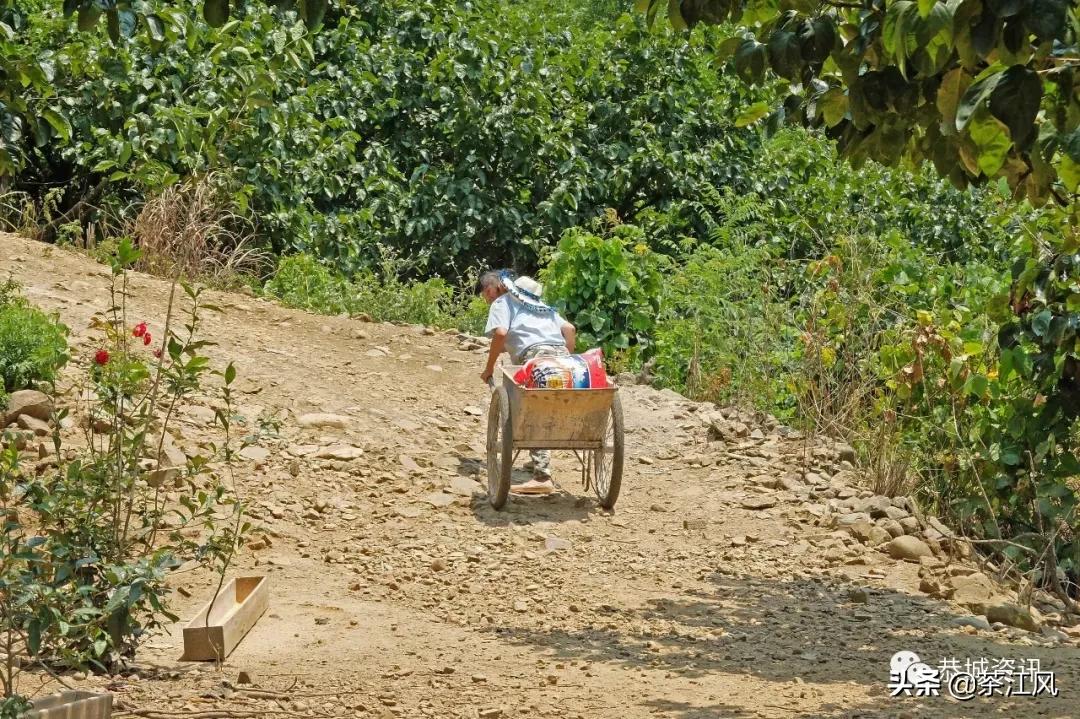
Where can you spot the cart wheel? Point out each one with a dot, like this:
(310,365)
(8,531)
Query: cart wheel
(608,462)
(500,448)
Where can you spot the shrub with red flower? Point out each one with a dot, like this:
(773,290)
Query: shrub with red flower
(102,357)
(139,330)
(146,340)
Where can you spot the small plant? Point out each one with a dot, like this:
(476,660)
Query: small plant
(301,281)
(89,536)
(33,345)
(608,285)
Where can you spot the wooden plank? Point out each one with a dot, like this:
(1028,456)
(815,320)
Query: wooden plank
(561,444)
(241,602)
(557,418)
(72,704)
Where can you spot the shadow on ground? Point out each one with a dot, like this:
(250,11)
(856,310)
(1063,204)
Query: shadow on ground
(797,635)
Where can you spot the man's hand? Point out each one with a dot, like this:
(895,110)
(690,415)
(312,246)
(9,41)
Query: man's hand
(498,341)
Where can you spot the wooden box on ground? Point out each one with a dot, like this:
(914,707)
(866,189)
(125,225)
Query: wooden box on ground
(73,704)
(241,602)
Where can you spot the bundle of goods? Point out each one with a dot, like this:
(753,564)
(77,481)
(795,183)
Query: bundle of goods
(581,371)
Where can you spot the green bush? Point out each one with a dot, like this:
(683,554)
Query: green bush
(724,334)
(302,281)
(33,345)
(609,285)
(473,316)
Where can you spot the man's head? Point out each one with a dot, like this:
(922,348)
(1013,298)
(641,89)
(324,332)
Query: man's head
(491,287)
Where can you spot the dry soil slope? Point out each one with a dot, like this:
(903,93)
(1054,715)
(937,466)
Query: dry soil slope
(712,591)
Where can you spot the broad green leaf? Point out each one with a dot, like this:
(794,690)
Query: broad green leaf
(727,48)
(785,54)
(314,12)
(128,23)
(833,105)
(953,86)
(1015,100)
(752,114)
(675,15)
(991,138)
(1006,8)
(1069,172)
(113,23)
(897,36)
(33,639)
(88,17)
(1040,323)
(973,98)
(817,39)
(1047,19)
(925,6)
(156,27)
(216,12)
(750,61)
(59,123)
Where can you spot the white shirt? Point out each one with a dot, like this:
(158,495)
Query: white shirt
(524,327)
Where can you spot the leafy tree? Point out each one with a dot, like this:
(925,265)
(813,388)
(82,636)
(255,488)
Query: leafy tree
(981,88)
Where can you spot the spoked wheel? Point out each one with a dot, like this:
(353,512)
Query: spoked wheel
(500,448)
(608,461)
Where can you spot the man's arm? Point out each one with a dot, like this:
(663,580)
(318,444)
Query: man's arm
(498,342)
(569,333)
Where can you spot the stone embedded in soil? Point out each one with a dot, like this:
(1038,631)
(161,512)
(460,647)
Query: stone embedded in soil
(973,589)
(33,424)
(758,502)
(255,453)
(556,544)
(440,499)
(323,420)
(163,476)
(29,402)
(342,452)
(976,622)
(908,548)
(465,487)
(1012,615)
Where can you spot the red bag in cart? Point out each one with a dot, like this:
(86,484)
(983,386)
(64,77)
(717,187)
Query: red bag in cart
(580,371)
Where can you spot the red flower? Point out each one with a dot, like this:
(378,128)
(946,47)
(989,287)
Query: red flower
(146,339)
(102,357)
(140,330)
(157,353)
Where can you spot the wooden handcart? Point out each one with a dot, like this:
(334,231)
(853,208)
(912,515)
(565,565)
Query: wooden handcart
(587,421)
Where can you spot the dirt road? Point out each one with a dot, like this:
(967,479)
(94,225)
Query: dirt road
(713,590)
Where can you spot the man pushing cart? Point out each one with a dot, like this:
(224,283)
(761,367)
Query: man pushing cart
(587,421)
